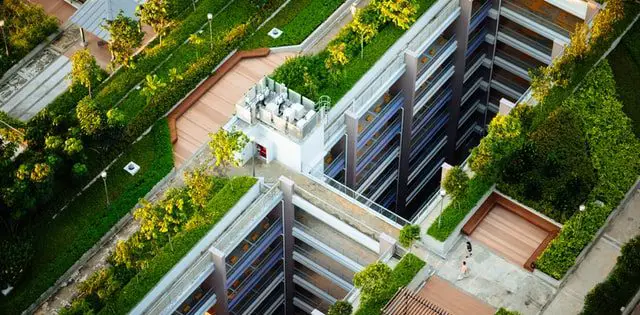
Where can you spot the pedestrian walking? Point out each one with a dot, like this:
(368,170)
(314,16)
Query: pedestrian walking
(469,249)
(464,270)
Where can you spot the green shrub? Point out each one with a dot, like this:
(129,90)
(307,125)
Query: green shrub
(380,286)
(197,227)
(409,234)
(454,213)
(504,311)
(609,296)
(611,142)
(340,308)
(456,182)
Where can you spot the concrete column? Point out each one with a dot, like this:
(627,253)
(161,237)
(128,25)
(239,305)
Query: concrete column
(505,106)
(446,167)
(83,38)
(462,37)
(286,185)
(350,148)
(219,281)
(558,48)
(387,243)
(408,85)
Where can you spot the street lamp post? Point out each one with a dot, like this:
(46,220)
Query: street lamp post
(4,38)
(104,180)
(442,194)
(210,18)
(354,12)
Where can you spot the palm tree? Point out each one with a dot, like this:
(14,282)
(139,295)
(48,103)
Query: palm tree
(151,86)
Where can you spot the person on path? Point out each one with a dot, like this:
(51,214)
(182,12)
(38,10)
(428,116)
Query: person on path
(469,249)
(464,271)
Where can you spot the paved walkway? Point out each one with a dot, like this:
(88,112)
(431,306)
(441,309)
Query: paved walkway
(599,261)
(324,41)
(215,107)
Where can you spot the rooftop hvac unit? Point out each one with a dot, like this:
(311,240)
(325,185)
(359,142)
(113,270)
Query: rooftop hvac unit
(273,108)
(289,114)
(299,110)
(309,114)
(300,124)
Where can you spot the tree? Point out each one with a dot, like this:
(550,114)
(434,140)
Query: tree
(409,234)
(99,287)
(456,182)
(579,46)
(115,117)
(89,116)
(84,69)
(401,12)
(155,14)
(200,185)
(337,55)
(125,38)
(365,24)
(225,145)
(505,136)
(604,20)
(373,279)
(340,308)
(152,85)
(197,41)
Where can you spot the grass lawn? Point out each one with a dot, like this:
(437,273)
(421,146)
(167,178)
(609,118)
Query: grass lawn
(297,21)
(625,63)
(60,242)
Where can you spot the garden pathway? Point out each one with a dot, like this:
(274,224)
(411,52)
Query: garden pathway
(217,105)
(599,261)
(324,41)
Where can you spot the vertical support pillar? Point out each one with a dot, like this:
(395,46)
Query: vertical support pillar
(387,243)
(445,167)
(408,86)
(506,106)
(350,148)
(462,37)
(557,49)
(83,37)
(286,185)
(219,281)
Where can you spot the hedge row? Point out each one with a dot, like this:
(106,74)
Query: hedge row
(455,212)
(609,296)
(614,150)
(196,228)
(401,275)
(60,242)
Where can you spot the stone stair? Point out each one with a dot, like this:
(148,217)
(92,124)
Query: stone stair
(39,91)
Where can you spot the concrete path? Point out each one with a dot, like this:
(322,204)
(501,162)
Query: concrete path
(324,41)
(599,261)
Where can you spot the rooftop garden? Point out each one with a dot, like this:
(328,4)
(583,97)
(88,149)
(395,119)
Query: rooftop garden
(378,282)
(336,69)
(26,25)
(575,147)
(169,229)
(96,120)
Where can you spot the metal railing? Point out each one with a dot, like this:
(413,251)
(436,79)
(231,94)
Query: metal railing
(248,299)
(536,17)
(329,287)
(366,201)
(534,44)
(253,245)
(450,42)
(341,272)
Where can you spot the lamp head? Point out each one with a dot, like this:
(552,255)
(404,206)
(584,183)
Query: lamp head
(209,16)
(1,23)
(442,193)
(103,174)
(582,208)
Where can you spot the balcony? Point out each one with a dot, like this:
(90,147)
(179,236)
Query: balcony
(262,269)
(199,300)
(272,285)
(542,17)
(432,85)
(467,111)
(388,197)
(332,243)
(336,165)
(476,39)
(432,151)
(479,11)
(374,120)
(327,286)
(430,171)
(419,142)
(508,83)
(271,303)
(525,44)
(378,151)
(306,254)
(249,250)
(516,62)
(307,301)
(374,175)
(434,56)
(474,63)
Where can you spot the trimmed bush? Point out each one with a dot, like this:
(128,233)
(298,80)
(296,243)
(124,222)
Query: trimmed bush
(609,296)
(340,308)
(456,182)
(455,212)
(409,234)
(374,297)
(504,311)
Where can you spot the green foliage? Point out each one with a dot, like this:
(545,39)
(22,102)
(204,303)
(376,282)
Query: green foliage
(201,185)
(409,234)
(152,85)
(125,38)
(155,13)
(16,257)
(89,116)
(504,311)
(79,170)
(456,182)
(373,280)
(455,212)
(297,20)
(162,262)
(99,287)
(225,145)
(84,69)
(26,26)
(340,308)
(402,274)
(401,12)
(59,243)
(609,296)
